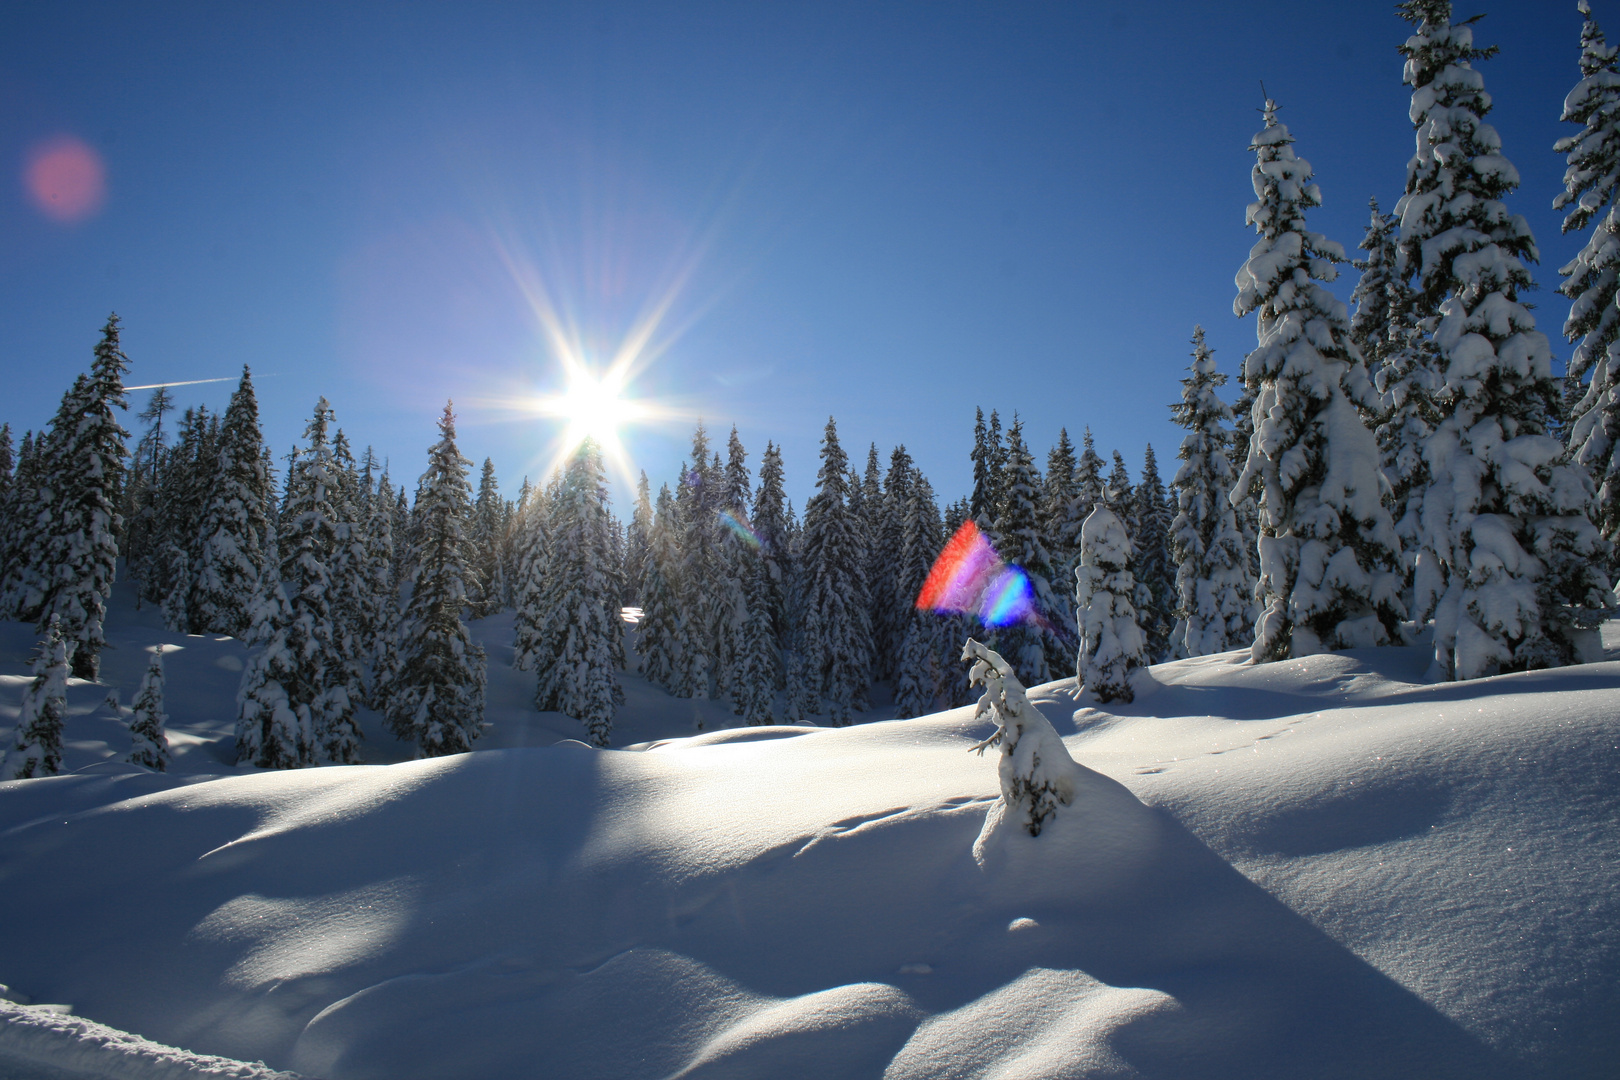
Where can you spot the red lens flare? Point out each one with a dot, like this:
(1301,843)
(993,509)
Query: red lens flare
(65,179)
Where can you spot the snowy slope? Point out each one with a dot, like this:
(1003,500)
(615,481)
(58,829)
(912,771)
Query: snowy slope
(1313,868)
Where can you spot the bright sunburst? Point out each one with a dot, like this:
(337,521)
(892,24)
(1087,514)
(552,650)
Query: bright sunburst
(593,407)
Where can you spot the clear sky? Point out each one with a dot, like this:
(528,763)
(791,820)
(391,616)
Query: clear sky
(888,213)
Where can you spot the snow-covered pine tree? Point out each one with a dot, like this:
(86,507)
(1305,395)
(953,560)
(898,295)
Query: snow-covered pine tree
(660,636)
(1379,291)
(1592,278)
(37,750)
(1506,513)
(379,596)
(148,720)
(835,632)
(229,555)
(1328,552)
(1088,479)
(637,537)
(923,682)
(1112,644)
(1060,518)
(753,684)
(437,700)
(697,500)
(890,607)
(1206,544)
(485,535)
(771,516)
(308,536)
(1119,491)
(1154,568)
(1037,774)
(987,457)
(273,726)
(1031,648)
(580,676)
(737,562)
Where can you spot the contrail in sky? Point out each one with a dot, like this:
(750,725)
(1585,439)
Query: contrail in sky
(188,382)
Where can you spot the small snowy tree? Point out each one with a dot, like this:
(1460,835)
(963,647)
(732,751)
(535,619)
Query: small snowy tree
(1037,774)
(148,720)
(1112,644)
(38,747)
(1206,544)
(1592,278)
(1328,552)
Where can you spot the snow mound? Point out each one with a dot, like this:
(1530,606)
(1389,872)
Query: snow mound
(1320,867)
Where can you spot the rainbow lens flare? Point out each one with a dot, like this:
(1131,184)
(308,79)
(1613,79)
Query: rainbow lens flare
(969,578)
(746,534)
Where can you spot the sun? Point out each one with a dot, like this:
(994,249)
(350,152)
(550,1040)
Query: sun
(594,408)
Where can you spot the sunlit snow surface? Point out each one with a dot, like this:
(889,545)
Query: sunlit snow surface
(1313,868)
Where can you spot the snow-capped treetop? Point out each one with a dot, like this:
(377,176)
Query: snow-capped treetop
(1457,177)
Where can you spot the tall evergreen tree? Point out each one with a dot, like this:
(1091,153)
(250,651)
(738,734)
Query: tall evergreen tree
(1592,278)
(308,537)
(484,544)
(638,536)
(1032,648)
(987,456)
(661,636)
(1505,514)
(1060,516)
(274,729)
(835,633)
(580,676)
(923,682)
(771,516)
(229,555)
(1206,544)
(1154,569)
(698,503)
(84,523)
(438,700)
(1327,546)
(890,603)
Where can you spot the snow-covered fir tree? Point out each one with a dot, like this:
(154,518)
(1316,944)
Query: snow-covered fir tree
(1379,292)
(273,725)
(37,747)
(1037,774)
(230,558)
(1206,544)
(1060,513)
(1328,552)
(1592,278)
(736,560)
(579,677)
(81,547)
(924,682)
(488,526)
(987,456)
(1030,646)
(379,614)
(532,620)
(771,515)
(638,535)
(835,631)
(1112,645)
(148,721)
(890,604)
(1505,514)
(660,636)
(697,500)
(437,700)
(308,536)
(1155,572)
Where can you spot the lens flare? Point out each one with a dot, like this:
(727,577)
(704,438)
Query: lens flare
(66,179)
(969,578)
(741,528)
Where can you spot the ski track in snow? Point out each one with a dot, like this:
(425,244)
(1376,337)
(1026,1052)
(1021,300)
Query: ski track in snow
(1322,867)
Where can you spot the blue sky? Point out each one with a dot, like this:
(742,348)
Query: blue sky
(887,213)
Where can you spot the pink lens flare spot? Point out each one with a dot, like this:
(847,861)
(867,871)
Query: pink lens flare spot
(65,179)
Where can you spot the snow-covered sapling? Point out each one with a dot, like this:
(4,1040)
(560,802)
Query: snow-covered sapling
(38,750)
(146,725)
(1037,773)
(1112,644)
